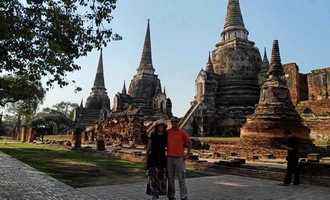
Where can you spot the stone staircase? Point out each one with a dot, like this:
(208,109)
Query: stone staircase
(88,117)
(188,115)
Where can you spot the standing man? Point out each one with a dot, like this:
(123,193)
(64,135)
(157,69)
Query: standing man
(177,142)
(293,159)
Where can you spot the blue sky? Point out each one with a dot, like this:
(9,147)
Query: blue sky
(184,31)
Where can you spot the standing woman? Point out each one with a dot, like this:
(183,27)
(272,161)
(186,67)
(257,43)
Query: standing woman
(156,160)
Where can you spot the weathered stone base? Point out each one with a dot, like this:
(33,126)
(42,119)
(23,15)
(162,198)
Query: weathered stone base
(228,150)
(320,127)
(316,117)
(269,142)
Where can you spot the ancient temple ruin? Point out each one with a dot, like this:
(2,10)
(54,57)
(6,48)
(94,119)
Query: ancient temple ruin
(125,128)
(228,89)
(135,109)
(97,104)
(310,94)
(275,114)
(145,91)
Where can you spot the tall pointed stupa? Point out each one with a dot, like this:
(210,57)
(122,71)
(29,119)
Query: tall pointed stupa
(263,74)
(98,98)
(99,77)
(145,83)
(209,66)
(230,92)
(275,115)
(145,91)
(97,103)
(237,61)
(124,91)
(234,20)
(146,65)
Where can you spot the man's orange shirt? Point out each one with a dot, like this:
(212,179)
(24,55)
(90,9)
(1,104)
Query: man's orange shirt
(177,140)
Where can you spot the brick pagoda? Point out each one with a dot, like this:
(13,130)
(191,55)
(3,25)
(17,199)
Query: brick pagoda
(275,114)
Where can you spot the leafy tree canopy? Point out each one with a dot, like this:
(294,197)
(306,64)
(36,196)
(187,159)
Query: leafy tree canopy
(66,108)
(14,89)
(42,38)
(51,121)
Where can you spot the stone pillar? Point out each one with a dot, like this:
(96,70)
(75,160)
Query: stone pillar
(76,138)
(23,134)
(17,134)
(30,135)
(86,137)
(93,136)
(100,145)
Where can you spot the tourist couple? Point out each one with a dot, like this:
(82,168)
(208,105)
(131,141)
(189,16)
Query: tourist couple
(166,154)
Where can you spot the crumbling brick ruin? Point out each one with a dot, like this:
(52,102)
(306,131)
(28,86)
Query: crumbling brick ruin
(310,94)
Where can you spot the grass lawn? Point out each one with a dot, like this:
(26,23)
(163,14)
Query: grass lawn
(320,142)
(58,137)
(77,168)
(217,139)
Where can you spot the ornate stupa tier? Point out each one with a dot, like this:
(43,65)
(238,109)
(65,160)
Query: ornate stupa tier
(234,24)
(237,61)
(275,115)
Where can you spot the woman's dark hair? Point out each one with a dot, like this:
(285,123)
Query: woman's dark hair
(155,130)
(287,132)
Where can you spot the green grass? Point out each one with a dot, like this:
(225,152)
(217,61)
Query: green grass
(58,137)
(320,142)
(78,168)
(217,139)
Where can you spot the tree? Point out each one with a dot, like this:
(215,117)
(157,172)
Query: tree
(43,38)
(8,124)
(52,122)
(66,108)
(14,89)
(24,111)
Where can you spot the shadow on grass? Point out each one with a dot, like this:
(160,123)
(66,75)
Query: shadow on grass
(79,168)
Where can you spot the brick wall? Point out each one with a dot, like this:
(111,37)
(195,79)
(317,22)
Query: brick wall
(316,115)
(293,81)
(319,108)
(311,95)
(297,83)
(303,87)
(319,84)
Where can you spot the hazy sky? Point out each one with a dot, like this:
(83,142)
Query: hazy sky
(184,31)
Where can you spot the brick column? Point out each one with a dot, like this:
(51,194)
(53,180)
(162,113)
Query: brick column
(76,138)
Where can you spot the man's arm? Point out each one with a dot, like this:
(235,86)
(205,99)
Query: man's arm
(188,145)
(148,152)
(149,147)
(285,147)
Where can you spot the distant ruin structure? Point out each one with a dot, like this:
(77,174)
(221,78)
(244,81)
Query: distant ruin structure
(310,93)
(227,90)
(97,104)
(228,87)
(145,90)
(132,111)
